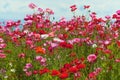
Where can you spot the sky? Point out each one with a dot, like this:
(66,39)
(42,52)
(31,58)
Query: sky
(17,9)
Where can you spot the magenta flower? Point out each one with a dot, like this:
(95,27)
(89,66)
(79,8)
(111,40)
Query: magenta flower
(118,12)
(41,60)
(2,55)
(92,75)
(38,58)
(32,5)
(91,58)
(73,8)
(107,17)
(29,42)
(28,65)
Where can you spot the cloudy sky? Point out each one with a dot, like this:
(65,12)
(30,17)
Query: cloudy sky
(17,9)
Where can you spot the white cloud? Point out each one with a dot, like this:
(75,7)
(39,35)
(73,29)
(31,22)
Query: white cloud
(18,8)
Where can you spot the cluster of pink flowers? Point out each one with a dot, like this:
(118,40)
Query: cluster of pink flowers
(2,46)
(41,60)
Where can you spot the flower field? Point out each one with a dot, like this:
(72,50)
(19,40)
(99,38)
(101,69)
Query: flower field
(82,48)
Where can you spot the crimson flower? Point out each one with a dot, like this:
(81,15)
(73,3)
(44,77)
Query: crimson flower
(73,8)
(43,71)
(81,66)
(73,69)
(64,75)
(62,70)
(35,72)
(55,72)
(118,43)
(66,45)
(67,65)
(92,75)
(86,6)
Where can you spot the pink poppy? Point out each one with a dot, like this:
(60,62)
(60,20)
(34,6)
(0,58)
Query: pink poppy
(91,58)
(32,5)
(2,55)
(118,12)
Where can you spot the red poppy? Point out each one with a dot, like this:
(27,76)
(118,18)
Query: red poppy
(118,43)
(64,75)
(43,71)
(62,70)
(73,69)
(67,66)
(107,51)
(55,72)
(66,45)
(81,66)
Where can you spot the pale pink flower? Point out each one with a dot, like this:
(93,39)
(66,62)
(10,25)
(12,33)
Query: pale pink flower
(51,34)
(22,55)
(49,11)
(28,73)
(57,39)
(2,45)
(71,41)
(97,71)
(28,22)
(76,40)
(32,5)
(91,57)
(40,10)
(44,36)
(53,45)
(117,60)
(38,58)
(1,40)
(43,60)
(107,42)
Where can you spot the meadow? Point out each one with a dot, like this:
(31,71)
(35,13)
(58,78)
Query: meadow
(82,48)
